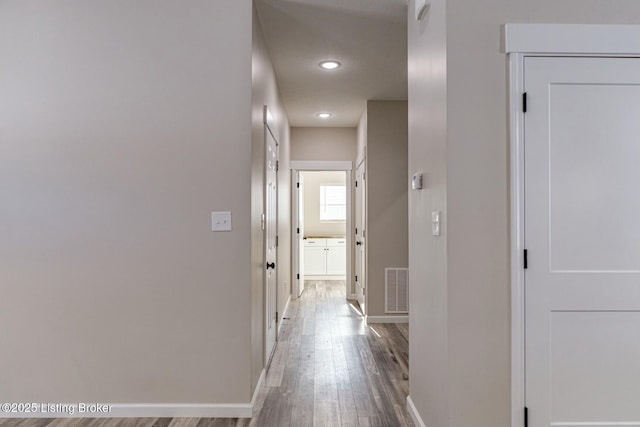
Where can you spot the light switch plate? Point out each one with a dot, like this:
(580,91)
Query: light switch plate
(220,221)
(435,223)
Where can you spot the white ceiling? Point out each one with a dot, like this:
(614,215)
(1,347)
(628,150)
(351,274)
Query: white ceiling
(369,38)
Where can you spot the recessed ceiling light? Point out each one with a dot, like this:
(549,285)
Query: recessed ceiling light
(324,115)
(330,65)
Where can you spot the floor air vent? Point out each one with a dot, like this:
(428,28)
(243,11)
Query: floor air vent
(396,290)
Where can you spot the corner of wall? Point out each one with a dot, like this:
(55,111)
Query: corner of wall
(361,150)
(427,153)
(386,199)
(265,91)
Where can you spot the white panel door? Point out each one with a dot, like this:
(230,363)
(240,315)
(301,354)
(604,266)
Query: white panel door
(582,233)
(271,227)
(360,250)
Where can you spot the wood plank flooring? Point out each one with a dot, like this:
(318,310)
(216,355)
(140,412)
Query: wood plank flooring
(330,369)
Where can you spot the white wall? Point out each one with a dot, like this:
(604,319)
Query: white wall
(120,131)
(385,142)
(323,143)
(266,92)
(361,141)
(312,224)
(458,136)
(327,144)
(428,352)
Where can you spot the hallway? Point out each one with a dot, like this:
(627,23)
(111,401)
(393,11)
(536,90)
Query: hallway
(330,369)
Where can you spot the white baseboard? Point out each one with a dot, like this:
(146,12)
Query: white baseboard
(263,375)
(387,319)
(415,415)
(148,410)
(142,410)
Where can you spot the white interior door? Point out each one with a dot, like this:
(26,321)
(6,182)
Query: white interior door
(582,234)
(360,270)
(270,232)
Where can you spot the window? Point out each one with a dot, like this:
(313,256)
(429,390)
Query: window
(333,203)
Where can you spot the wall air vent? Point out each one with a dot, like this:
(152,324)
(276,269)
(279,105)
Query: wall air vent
(396,290)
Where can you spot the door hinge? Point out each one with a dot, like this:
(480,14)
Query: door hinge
(298,276)
(526,259)
(526,417)
(298,230)
(297,184)
(277,165)
(356,183)
(276,316)
(356,278)
(364,176)
(277,240)
(524,102)
(356,230)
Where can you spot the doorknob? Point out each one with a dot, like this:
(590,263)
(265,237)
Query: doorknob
(358,243)
(272,265)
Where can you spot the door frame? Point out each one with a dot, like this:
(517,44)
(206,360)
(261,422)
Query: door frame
(364,275)
(269,128)
(521,41)
(308,166)
(296,275)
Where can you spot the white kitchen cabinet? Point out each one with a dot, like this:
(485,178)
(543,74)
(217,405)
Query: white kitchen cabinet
(336,257)
(325,257)
(315,260)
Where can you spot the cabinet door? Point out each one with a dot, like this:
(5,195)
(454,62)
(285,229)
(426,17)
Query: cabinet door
(314,261)
(337,260)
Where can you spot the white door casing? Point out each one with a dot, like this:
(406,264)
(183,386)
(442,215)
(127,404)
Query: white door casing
(298,247)
(300,234)
(523,41)
(360,224)
(582,235)
(297,233)
(270,237)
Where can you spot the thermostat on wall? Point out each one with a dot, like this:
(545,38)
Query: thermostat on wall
(416,181)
